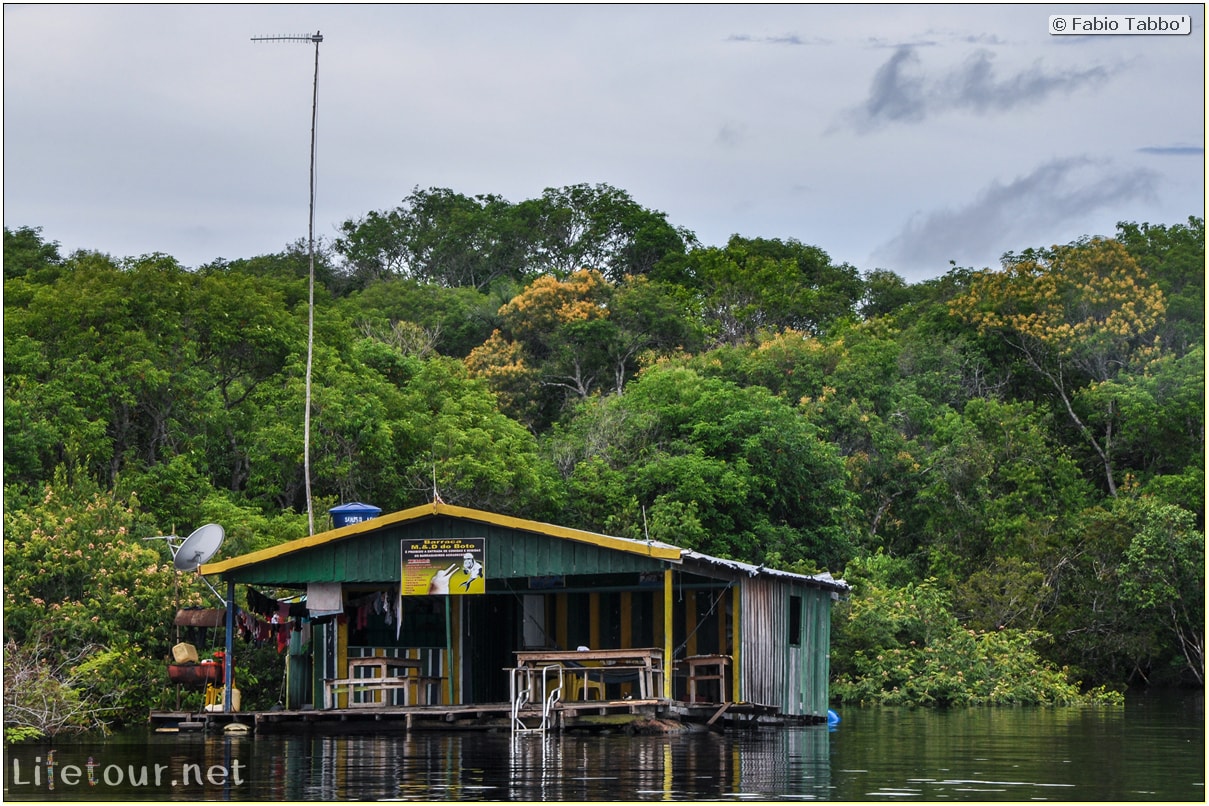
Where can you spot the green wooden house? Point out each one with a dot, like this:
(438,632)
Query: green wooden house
(457,592)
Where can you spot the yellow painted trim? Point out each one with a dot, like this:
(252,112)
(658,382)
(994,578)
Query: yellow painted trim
(668,660)
(659,551)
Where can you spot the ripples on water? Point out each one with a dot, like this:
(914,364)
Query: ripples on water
(1153,749)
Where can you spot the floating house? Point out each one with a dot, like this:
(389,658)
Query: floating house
(450,610)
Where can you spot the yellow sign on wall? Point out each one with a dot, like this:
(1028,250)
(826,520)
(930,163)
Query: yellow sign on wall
(443,566)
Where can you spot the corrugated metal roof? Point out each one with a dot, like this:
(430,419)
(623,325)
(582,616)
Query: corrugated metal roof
(823,580)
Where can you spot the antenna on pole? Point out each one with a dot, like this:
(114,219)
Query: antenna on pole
(310,331)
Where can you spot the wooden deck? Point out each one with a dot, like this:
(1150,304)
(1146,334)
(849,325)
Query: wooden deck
(586,715)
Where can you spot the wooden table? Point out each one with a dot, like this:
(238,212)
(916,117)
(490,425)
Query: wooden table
(647,662)
(707,667)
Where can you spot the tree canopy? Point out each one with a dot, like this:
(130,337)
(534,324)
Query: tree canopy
(1007,462)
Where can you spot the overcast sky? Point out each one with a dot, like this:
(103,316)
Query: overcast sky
(898,137)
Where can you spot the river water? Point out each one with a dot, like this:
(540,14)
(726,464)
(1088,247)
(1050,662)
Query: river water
(1153,749)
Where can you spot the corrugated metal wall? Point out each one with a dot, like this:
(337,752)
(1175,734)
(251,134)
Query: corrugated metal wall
(773,670)
(810,661)
(764,614)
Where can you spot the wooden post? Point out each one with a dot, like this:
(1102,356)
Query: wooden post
(594,621)
(736,642)
(448,649)
(627,630)
(668,661)
(342,661)
(690,623)
(561,601)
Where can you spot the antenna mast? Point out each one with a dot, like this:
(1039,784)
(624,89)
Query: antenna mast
(310,331)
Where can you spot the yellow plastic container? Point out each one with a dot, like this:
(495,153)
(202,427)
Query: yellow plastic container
(184,653)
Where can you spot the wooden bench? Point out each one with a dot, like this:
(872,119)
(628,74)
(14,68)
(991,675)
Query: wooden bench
(415,688)
(331,689)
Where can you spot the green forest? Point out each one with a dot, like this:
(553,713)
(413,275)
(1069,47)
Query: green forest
(1006,463)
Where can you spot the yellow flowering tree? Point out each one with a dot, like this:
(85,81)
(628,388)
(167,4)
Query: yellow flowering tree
(551,338)
(1079,315)
(570,338)
(90,602)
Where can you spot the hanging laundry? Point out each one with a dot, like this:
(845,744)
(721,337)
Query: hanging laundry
(324,598)
(260,604)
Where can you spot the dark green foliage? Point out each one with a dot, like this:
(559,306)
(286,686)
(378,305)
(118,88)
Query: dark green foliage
(1174,258)
(1007,495)
(726,470)
(900,644)
(27,256)
(449,239)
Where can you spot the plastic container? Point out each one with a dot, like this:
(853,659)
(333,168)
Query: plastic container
(218,706)
(356,512)
(184,653)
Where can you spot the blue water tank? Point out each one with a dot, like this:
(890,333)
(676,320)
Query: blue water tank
(356,512)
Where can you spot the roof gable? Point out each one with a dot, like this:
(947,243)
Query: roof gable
(652,549)
(348,558)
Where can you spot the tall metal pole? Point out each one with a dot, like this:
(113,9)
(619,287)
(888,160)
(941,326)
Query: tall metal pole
(310,330)
(228,660)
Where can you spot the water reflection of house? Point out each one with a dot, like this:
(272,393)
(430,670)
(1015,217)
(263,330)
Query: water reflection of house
(453,594)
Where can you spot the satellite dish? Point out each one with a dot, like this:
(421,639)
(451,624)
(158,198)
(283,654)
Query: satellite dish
(198,547)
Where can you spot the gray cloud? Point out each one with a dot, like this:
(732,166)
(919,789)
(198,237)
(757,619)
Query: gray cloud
(895,95)
(882,43)
(984,39)
(731,134)
(901,93)
(783,39)
(1003,215)
(1174,151)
